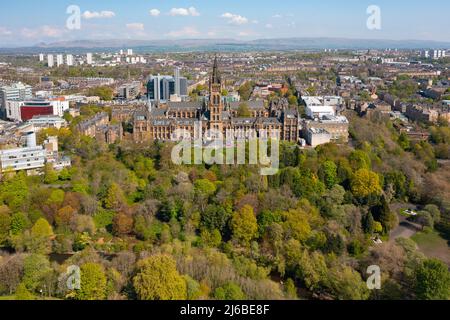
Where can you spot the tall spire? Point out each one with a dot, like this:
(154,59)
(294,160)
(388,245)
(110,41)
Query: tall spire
(216,76)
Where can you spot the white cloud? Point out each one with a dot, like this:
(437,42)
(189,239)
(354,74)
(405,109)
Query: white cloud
(244,34)
(184,12)
(155,12)
(291,24)
(185,32)
(44,31)
(278,16)
(235,18)
(5,32)
(269,26)
(136,26)
(98,15)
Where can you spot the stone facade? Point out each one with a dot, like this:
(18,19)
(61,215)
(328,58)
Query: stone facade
(216,114)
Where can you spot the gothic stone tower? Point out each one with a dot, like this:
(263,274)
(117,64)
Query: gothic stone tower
(215,100)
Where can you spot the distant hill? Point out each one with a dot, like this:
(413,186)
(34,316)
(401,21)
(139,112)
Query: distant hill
(283,44)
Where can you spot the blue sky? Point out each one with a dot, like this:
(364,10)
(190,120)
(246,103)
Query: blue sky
(27,22)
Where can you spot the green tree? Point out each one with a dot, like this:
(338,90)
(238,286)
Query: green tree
(290,289)
(434,211)
(35,269)
(312,270)
(14,191)
(383,214)
(158,279)
(41,237)
(360,160)
(42,229)
(245,91)
(194,291)
(328,173)
(114,197)
(105,93)
(404,142)
(19,222)
(433,280)
(50,175)
(211,239)
(216,217)
(22,293)
(5,224)
(243,111)
(229,291)
(203,190)
(93,282)
(244,225)
(346,284)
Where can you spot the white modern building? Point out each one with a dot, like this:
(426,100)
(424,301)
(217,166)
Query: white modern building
(59,106)
(316,137)
(13,107)
(89,59)
(32,158)
(41,57)
(130,52)
(43,122)
(317,109)
(50,61)
(15,91)
(59,60)
(69,60)
(29,158)
(434,54)
(177,81)
(319,112)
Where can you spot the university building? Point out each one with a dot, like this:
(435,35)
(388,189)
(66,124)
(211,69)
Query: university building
(216,113)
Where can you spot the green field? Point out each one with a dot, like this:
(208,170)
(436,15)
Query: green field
(433,245)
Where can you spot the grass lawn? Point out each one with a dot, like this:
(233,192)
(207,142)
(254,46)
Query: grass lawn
(6,298)
(433,245)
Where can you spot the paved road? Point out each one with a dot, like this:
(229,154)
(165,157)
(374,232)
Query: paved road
(405,229)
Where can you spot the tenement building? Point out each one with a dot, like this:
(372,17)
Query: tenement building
(215,113)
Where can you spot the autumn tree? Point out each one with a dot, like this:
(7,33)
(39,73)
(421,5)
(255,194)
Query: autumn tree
(122,224)
(11,272)
(41,237)
(64,216)
(244,225)
(114,197)
(93,282)
(157,278)
(365,183)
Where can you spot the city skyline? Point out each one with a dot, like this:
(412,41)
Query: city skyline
(200,19)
